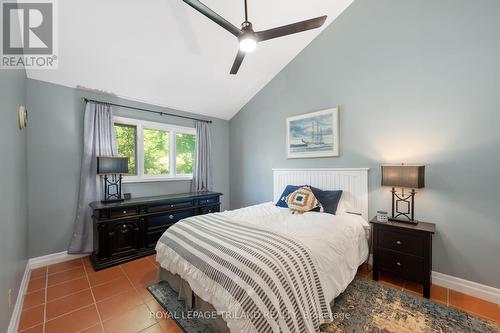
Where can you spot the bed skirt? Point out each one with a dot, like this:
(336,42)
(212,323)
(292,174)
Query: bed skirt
(193,302)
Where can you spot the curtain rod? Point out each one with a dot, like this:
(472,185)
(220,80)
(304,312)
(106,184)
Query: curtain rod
(85,99)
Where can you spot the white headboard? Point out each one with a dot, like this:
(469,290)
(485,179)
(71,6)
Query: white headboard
(353,183)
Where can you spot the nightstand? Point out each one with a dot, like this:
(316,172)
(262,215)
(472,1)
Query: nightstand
(403,249)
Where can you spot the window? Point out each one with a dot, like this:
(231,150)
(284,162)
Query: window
(156,151)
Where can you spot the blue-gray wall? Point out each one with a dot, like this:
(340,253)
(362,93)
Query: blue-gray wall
(13,208)
(55,141)
(416,81)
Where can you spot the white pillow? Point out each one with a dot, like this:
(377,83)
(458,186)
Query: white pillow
(342,207)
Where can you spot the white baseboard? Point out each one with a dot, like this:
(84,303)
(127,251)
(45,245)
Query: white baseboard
(18,307)
(467,287)
(33,263)
(53,258)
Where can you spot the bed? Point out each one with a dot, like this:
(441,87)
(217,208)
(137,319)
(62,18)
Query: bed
(262,268)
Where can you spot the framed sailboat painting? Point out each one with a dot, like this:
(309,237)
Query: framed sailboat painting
(313,134)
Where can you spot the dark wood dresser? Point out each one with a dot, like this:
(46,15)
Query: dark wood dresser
(129,229)
(404,250)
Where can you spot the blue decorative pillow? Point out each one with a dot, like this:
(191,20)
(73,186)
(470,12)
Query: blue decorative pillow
(288,189)
(329,199)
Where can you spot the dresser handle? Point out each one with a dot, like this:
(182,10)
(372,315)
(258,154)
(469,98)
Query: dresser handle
(124,226)
(398,263)
(124,212)
(171,206)
(171,217)
(398,242)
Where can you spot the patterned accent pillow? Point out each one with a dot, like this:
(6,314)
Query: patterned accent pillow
(302,200)
(286,192)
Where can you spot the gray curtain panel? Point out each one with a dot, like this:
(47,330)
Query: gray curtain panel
(98,140)
(202,173)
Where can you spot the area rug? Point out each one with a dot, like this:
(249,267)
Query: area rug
(365,306)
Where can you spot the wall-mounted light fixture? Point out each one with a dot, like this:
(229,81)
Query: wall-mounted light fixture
(23,116)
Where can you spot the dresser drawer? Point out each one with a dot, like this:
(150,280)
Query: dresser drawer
(173,205)
(401,241)
(209,201)
(210,209)
(122,212)
(404,265)
(167,219)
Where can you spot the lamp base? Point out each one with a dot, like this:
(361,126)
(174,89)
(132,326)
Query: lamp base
(403,206)
(112,182)
(414,222)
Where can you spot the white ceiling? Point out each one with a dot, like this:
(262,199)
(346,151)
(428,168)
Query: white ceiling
(163,52)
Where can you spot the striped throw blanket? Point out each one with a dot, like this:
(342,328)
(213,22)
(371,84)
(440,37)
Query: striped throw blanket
(271,277)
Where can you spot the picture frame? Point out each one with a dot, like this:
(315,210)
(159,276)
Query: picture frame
(314,134)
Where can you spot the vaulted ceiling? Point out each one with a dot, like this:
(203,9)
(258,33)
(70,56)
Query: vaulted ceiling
(163,52)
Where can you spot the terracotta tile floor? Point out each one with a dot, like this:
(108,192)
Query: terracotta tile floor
(71,297)
(448,297)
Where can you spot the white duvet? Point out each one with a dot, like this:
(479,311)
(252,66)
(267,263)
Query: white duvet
(337,242)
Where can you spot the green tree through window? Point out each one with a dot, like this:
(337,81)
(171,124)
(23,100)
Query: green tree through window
(184,149)
(126,139)
(156,152)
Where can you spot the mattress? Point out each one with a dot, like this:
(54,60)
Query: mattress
(337,243)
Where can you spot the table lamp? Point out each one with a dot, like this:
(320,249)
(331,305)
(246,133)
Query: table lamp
(112,168)
(406,177)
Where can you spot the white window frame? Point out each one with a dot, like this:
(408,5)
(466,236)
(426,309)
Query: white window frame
(140,125)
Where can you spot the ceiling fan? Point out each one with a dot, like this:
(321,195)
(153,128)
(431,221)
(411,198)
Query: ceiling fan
(249,38)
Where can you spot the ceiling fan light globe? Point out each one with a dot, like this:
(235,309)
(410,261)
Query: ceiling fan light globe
(248,44)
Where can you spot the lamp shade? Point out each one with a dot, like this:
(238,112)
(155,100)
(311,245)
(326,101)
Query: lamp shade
(112,165)
(410,176)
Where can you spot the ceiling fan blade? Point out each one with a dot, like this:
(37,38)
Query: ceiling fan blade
(291,29)
(213,16)
(237,62)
